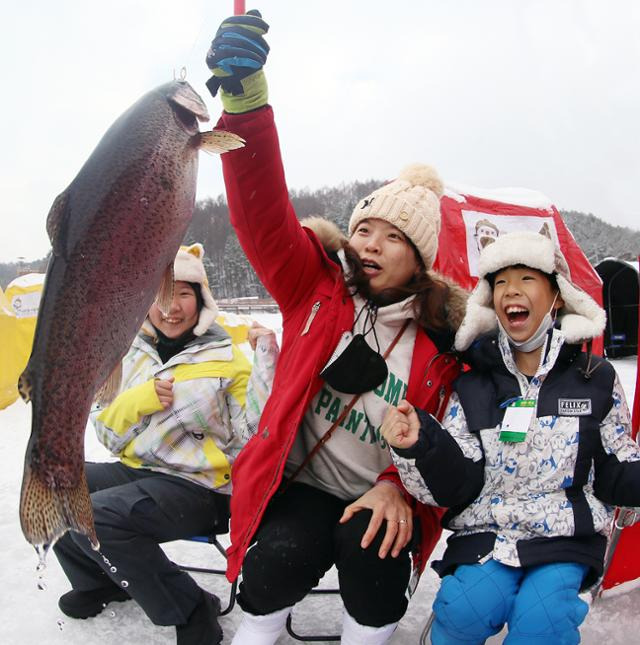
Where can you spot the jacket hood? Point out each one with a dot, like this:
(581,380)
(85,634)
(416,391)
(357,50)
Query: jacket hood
(333,240)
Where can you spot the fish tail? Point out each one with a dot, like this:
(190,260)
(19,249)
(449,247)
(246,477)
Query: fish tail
(47,512)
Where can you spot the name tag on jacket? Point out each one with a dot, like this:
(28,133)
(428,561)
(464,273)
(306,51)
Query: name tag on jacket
(574,407)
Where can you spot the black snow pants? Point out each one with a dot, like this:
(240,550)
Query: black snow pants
(134,511)
(299,540)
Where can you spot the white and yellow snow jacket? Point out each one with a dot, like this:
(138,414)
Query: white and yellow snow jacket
(200,434)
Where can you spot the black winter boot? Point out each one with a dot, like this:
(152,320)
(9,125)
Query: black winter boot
(84,604)
(202,627)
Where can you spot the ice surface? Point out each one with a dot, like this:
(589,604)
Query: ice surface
(29,615)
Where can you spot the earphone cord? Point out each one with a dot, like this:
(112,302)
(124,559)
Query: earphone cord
(372,317)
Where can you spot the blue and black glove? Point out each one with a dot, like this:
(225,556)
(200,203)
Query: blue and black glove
(235,58)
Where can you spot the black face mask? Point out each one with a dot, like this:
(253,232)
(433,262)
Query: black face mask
(355,367)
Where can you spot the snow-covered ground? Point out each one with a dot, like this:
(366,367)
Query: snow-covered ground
(31,615)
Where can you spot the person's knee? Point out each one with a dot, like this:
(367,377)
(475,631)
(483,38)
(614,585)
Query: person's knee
(348,537)
(280,570)
(354,528)
(474,602)
(548,605)
(363,573)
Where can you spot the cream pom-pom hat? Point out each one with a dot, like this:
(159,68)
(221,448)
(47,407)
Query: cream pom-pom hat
(188,267)
(412,204)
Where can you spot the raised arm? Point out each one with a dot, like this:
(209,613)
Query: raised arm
(286,260)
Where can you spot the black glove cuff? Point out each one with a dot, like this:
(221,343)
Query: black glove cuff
(213,85)
(233,84)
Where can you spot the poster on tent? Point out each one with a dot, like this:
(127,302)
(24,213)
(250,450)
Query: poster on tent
(484,228)
(471,221)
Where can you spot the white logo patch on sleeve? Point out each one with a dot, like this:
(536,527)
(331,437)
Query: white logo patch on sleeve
(574,407)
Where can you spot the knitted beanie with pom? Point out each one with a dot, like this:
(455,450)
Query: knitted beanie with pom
(412,204)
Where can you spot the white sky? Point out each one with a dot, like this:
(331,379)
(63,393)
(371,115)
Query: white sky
(539,94)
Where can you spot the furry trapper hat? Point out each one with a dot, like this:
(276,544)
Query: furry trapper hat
(412,204)
(581,318)
(188,267)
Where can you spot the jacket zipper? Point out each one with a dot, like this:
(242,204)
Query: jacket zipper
(442,392)
(441,396)
(312,315)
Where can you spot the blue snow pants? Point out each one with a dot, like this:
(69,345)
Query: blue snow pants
(539,604)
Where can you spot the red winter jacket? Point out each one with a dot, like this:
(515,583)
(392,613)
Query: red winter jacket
(316,309)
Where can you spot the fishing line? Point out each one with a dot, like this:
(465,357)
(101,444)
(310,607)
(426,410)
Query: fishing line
(183,69)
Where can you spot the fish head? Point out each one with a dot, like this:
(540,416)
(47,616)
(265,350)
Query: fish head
(187,106)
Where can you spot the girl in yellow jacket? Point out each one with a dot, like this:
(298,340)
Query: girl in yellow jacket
(176,426)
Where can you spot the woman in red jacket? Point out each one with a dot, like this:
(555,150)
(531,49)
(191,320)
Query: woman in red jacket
(364,323)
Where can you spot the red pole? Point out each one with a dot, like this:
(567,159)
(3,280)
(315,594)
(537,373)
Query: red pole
(238,7)
(635,417)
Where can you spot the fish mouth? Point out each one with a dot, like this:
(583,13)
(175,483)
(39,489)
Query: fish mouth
(187,107)
(185,118)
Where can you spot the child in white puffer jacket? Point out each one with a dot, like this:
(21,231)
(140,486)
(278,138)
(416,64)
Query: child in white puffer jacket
(532,454)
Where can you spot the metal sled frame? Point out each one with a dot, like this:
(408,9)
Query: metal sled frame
(213,539)
(312,638)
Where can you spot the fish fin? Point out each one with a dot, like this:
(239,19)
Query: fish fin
(48,511)
(219,141)
(57,220)
(24,387)
(110,387)
(165,293)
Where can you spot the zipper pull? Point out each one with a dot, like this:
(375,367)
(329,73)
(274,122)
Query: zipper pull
(312,315)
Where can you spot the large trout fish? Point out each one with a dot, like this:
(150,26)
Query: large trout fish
(114,233)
